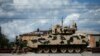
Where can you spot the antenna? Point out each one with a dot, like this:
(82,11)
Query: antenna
(74,25)
(62,25)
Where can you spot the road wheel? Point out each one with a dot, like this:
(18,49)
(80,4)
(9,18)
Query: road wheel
(53,50)
(70,50)
(77,50)
(63,50)
(46,50)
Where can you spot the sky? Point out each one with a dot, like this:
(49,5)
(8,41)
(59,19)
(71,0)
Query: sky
(23,16)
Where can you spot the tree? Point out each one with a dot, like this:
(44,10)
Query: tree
(4,42)
(99,42)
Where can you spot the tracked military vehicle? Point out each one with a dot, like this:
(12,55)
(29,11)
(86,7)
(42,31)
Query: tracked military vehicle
(58,39)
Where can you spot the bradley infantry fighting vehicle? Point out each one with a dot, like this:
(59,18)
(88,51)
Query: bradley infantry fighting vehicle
(58,39)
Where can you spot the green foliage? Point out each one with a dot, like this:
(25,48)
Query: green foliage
(97,44)
(4,42)
(11,44)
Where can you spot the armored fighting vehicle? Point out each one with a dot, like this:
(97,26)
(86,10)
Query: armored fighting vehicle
(58,39)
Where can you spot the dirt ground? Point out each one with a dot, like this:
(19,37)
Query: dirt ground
(59,54)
